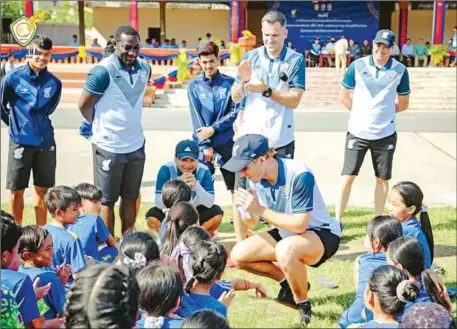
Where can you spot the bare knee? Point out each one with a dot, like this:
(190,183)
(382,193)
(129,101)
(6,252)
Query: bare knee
(286,253)
(382,181)
(238,255)
(17,194)
(41,191)
(348,180)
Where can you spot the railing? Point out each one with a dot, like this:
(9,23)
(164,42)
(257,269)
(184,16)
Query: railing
(71,55)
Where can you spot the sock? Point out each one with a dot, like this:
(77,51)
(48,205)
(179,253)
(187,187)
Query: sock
(303,301)
(304,305)
(284,284)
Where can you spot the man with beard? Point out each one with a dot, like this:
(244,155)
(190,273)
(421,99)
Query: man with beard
(112,100)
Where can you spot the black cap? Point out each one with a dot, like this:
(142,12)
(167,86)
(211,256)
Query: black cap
(246,149)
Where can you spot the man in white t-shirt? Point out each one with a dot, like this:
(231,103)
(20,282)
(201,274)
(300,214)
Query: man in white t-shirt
(112,100)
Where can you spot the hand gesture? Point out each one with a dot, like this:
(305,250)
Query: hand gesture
(249,201)
(256,87)
(208,153)
(63,272)
(40,292)
(245,70)
(260,291)
(189,179)
(227,297)
(204,133)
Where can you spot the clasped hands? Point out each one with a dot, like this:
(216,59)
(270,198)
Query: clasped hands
(249,201)
(245,73)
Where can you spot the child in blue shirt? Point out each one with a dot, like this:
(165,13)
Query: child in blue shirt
(405,202)
(182,255)
(407,254)
(36,250)
(208,266)
(18,284)
(381,231)
(11,317)
(63,204)
(160,295)
(387,291)
(90,227)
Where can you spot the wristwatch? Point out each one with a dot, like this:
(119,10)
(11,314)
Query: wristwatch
(267,93)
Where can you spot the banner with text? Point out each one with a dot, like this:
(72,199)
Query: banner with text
(306,20)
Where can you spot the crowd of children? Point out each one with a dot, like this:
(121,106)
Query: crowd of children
(71,273)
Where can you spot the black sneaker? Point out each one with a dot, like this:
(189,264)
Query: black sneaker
(304,310)
(286,298)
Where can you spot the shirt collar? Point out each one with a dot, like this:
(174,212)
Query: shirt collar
(281,57)
(214,78)
(121,66)
(33,73)
(281,177)
(385,67)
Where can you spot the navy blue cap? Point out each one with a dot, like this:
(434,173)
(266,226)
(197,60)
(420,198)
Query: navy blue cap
(187,149)
(386,37)
(246,149)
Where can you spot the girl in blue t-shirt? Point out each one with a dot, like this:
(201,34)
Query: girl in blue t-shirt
(381,231)
(387,291)
(405,202)
(182,254)
(37,251)
(406,253)
(208,265)
(160,296)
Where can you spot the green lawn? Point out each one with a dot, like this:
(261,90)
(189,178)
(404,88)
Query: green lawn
(248,311)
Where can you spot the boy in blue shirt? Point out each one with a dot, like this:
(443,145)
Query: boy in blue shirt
(63,204)
(90,227)
(36,250)
(18,284)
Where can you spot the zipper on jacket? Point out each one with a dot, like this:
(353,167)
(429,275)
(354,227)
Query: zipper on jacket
(37,107)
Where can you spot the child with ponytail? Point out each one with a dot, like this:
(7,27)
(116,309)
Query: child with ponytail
(381,231)
(405,202)
(387,292)
(406,253)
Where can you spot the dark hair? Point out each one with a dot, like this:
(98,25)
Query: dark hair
(61,197)
(193,236)
(208,49)
(89,192)
(205,319)
(32,239)
(208,261)
(412,196)
(125,29)
(426,315)
(138,242)
(74,36)
(109,49)
(384,283)
(175,191)
(160,288)
(408,252)
(42,42)
(384,228)
(103,296)
(181,216)
(208,35)
(11,232)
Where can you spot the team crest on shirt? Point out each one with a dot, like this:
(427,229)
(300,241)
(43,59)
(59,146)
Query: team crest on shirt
(203,95)
(47,92)
(392,75)
(222,93)
(143,76)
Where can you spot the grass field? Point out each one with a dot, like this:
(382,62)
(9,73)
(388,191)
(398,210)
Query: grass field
(249,312)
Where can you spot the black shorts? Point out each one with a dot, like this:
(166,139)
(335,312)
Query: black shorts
(382,155)
(330,241)
(204,213)
(118,174)
(285,152)
(225,152)
(22,159)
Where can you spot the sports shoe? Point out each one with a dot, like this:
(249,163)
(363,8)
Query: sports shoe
(286,298)
(304,310)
